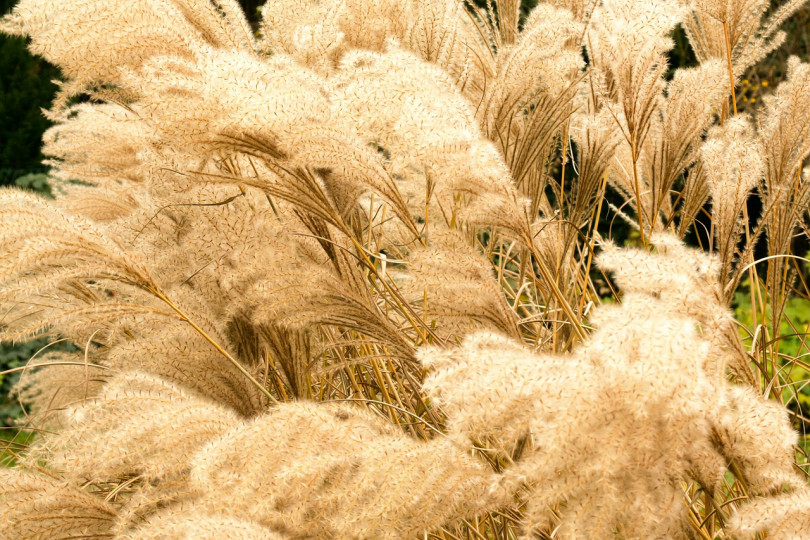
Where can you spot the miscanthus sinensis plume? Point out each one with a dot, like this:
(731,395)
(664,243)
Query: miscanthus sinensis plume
(345,274)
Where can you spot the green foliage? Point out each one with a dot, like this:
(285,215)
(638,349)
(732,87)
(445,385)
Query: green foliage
(791,352)
(35,182)
(25,88)
(11,357)
(12,442)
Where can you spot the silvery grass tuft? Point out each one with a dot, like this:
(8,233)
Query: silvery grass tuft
(341,277)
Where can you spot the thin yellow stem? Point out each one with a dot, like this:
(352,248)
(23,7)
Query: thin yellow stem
(562,167)
(730,69)
(566,307)
(753,278)
(420,329)
(590,250)
(238,365)
(637,189)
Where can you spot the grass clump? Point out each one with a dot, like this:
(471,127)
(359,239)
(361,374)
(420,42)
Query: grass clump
(346,278)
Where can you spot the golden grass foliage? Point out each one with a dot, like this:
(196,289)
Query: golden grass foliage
(343,277)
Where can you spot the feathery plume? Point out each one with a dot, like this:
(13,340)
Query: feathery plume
(627,41)
(91,40)
(339,471)
(189,522)
(757,435)
(442,163)
(462,300)
(497,391)
(782,517)
(36,507)
(305,30)
(733,166)
(737,31)
(119,434)
(785,140)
